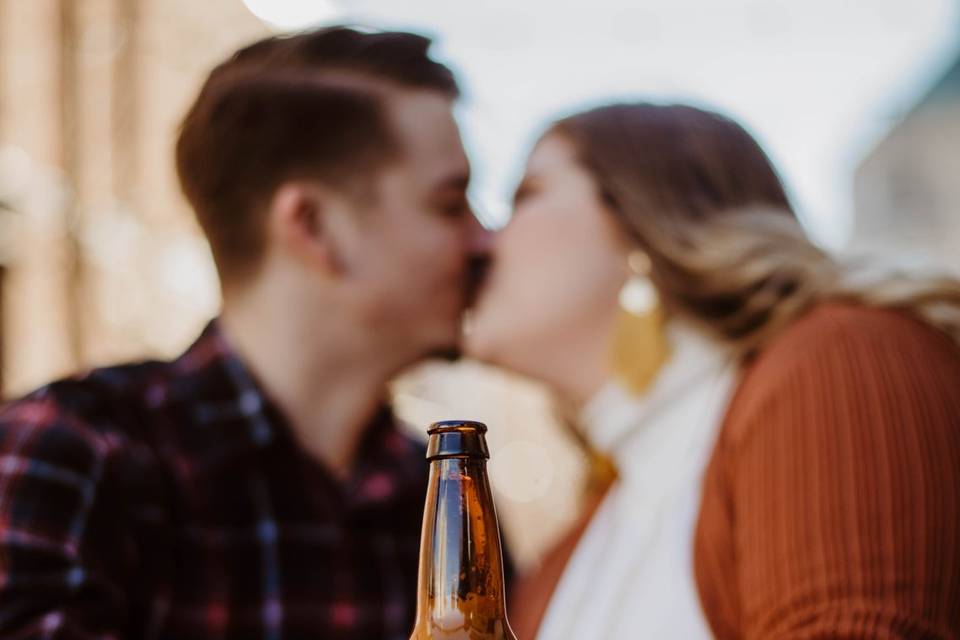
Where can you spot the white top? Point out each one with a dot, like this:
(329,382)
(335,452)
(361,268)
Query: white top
(631,574)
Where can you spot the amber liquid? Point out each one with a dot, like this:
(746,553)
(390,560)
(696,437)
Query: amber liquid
(461,592)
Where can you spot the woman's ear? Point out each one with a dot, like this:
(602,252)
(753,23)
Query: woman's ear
(298,217)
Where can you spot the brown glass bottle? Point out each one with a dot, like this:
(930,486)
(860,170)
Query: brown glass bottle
(460,594)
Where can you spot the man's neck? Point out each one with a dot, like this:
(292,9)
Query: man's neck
(328,381)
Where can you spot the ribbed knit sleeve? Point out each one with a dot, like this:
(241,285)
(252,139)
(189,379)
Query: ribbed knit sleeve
(831,507)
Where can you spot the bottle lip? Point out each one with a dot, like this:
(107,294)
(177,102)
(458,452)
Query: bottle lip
(447,426)
(457,439)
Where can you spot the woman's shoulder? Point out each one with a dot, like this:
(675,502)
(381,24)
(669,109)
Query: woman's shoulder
(833,325)
(842,354)
(838,470)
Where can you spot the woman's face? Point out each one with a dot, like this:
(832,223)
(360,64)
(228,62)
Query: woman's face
(551,297)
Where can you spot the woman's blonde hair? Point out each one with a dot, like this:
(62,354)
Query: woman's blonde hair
(701,198)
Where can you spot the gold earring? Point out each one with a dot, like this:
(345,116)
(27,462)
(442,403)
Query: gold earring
(640,346)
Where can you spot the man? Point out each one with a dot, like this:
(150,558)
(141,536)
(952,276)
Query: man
(257,487)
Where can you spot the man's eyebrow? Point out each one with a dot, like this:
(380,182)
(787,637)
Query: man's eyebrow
(458,181)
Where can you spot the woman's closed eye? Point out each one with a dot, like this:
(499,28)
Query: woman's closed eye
(524,192)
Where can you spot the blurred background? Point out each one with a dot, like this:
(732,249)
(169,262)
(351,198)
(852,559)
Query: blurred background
(858,103)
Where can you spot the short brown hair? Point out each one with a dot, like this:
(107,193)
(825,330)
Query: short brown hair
(308,105)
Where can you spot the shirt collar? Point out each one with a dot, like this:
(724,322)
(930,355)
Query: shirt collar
(229,415)
(221,410)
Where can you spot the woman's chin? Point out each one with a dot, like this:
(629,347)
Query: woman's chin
(498,349)
(484,338)
(477,343)
(499,339)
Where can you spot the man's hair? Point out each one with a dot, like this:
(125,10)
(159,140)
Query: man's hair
(284,108)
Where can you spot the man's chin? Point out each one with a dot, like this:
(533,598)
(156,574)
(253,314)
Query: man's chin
(447,354)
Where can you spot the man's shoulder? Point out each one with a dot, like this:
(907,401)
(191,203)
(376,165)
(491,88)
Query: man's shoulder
(403,439)
(97,406)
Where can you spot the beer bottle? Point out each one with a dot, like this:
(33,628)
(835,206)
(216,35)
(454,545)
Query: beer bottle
(460,594)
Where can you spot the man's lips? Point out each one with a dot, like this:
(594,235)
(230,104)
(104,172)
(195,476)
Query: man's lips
(477,269)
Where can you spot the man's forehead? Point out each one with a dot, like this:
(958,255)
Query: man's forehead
(424,125)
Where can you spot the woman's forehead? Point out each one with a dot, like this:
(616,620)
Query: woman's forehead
(551,152)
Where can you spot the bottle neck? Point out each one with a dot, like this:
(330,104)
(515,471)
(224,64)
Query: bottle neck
(461,588)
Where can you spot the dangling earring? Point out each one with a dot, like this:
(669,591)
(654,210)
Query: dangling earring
(640,346)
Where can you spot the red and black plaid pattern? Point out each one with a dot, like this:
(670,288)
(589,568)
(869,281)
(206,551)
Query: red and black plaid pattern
(169,500)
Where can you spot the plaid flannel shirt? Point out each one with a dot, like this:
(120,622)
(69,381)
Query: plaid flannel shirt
(169,500)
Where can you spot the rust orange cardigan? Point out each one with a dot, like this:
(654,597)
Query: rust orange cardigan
(831,503)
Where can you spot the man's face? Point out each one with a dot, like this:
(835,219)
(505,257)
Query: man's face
(420,235)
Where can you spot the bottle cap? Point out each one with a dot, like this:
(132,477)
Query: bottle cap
(457,439)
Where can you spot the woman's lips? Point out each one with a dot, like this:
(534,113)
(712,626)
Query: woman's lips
(477,269)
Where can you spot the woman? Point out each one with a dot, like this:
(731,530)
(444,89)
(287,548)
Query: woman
(785,430)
